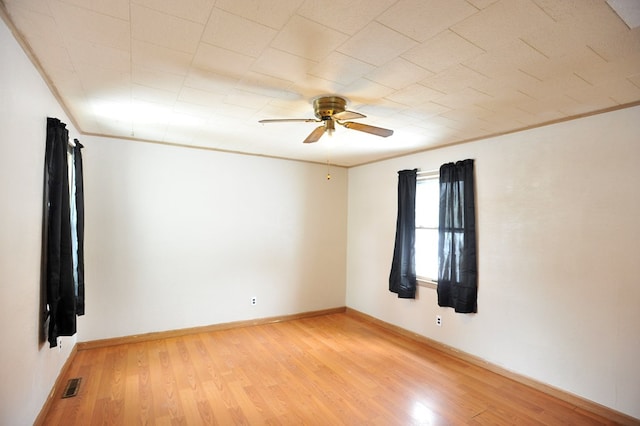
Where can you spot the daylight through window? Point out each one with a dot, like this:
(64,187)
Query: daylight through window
(426,245)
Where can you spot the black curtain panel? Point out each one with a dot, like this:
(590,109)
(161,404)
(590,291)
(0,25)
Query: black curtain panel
(58,255)
(402,279)
(457,264)
(79,184)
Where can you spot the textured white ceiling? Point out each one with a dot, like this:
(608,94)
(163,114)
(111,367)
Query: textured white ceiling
(203,72)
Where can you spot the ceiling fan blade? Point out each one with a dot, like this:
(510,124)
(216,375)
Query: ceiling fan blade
(378,131)
(315,135)
(289,120)
(348,115)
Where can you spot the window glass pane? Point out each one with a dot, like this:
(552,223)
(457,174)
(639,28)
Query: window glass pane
(427,253)
(427,200)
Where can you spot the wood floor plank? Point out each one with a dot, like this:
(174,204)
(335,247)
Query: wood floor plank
(326,370)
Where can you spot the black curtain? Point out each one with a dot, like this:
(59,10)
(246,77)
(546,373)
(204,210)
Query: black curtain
(79,184)
(457,265)
(61,286)
(402,279)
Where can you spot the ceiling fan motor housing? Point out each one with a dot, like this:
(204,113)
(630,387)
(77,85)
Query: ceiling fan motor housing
(325,107)
(329,110)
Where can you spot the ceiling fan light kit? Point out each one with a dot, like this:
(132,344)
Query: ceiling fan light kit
(330,110)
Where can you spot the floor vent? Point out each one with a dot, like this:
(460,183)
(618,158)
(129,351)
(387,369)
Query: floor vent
(72,387)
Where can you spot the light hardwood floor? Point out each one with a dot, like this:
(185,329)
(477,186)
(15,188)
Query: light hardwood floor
(327,370)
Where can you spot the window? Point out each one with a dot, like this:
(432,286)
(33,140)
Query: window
(427,214)
(73,212)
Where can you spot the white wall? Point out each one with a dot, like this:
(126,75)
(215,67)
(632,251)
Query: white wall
(558,248)
(179,238)
(28,368)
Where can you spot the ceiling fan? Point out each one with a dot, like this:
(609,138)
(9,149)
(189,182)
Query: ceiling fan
(330,110)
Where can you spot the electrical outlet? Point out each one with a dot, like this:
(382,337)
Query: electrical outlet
(254,301)
(439,320)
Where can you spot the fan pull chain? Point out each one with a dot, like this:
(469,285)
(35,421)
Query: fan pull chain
(328,166)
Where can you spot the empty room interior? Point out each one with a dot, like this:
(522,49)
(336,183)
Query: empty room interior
(242,172)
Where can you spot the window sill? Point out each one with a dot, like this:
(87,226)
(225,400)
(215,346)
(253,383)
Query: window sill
(424,282)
